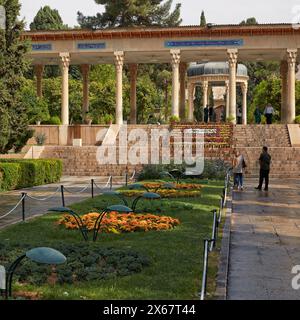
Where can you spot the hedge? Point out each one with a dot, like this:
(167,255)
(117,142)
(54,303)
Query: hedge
(17,174)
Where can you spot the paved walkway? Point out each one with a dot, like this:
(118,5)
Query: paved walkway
(265,242)
(37,207)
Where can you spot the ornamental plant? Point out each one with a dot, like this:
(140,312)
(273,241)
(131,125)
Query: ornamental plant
(122,223)
(165,193)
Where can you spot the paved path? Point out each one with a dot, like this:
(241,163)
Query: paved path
(265,242)
(35,208)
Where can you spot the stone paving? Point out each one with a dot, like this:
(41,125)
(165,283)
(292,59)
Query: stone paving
(36,208)
(265,242)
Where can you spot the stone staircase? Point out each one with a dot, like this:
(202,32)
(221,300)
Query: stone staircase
(250,139)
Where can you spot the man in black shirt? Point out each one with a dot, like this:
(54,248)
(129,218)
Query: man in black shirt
(265,162)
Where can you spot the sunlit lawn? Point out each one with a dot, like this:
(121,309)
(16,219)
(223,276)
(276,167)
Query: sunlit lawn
(176,256)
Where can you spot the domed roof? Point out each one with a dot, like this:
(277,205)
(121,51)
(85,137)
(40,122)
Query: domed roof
(214,68)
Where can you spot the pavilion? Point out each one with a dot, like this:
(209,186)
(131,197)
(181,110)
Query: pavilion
(178,46)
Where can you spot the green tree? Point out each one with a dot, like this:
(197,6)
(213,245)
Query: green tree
(47,19)
(14,131)
(128,13)
(203,20)
(249,21)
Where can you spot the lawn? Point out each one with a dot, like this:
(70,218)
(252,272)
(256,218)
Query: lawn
(175,255)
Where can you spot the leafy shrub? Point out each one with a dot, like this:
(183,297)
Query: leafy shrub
(215,169)
(85,262)
(297,120)
(154,172)
(18,174)
(55,120)
(40,139)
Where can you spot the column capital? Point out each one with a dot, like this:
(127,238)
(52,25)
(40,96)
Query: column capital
(119,60)
(175,57)
(205,85)
(291,57)
(64,60)
(133,68)
(232,57)
(39,69)
(244,87)
(85,68)
(182,68)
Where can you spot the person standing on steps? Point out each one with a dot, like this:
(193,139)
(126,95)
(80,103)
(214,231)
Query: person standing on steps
(239,165)
(269,112)
(265,163)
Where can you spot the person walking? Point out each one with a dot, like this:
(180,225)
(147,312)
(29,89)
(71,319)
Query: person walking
(265,163)
(257,115)
(206,114)
(239,115)
(269,112)
(239,165)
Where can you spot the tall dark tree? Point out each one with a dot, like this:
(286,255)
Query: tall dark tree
(47,19)
(14,132)
(128,13)
(203,20)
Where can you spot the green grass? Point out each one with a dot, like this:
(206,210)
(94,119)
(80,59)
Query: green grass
(176,256)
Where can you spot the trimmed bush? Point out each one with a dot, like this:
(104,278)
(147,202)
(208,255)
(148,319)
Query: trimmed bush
(16,174)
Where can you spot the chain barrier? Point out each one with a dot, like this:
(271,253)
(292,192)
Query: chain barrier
(14,208)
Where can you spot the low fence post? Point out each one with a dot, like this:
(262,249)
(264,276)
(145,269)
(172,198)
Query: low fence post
(23,206)
(126,179)
(214,231)
(62,196)
(92,188)
(111,183)
(205,267)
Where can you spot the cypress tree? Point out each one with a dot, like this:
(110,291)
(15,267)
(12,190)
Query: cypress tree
(203,19)
(14,132)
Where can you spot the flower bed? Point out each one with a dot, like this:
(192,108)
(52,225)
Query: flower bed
(122,223)
(152,186)
(165,193)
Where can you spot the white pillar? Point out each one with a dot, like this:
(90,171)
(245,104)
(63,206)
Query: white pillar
(182,73)
(85,70)
(133,68)
(39,70)
(244,107)
(284,90)
(119,62)
(175,60)
(64,66)
(191,89)
(291,96)
(227,99)
(232,60)
(205,95)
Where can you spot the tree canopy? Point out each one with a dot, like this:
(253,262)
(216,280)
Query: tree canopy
(47,19)
(130,13)
(203,19)
(14,131)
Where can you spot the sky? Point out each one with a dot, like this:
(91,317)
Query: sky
(216,11)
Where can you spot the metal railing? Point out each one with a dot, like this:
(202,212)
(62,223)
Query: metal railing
(62,190)
(210,244)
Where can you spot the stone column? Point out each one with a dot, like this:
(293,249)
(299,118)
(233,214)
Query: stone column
(175,60)
(85,70)
(284,102)
(191,89)
(133,68)
(39,70)
(232,59)
(182,73)
(205,94)
(119,62)
(227,98)
(244,107)
(291,79)
(64,66)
